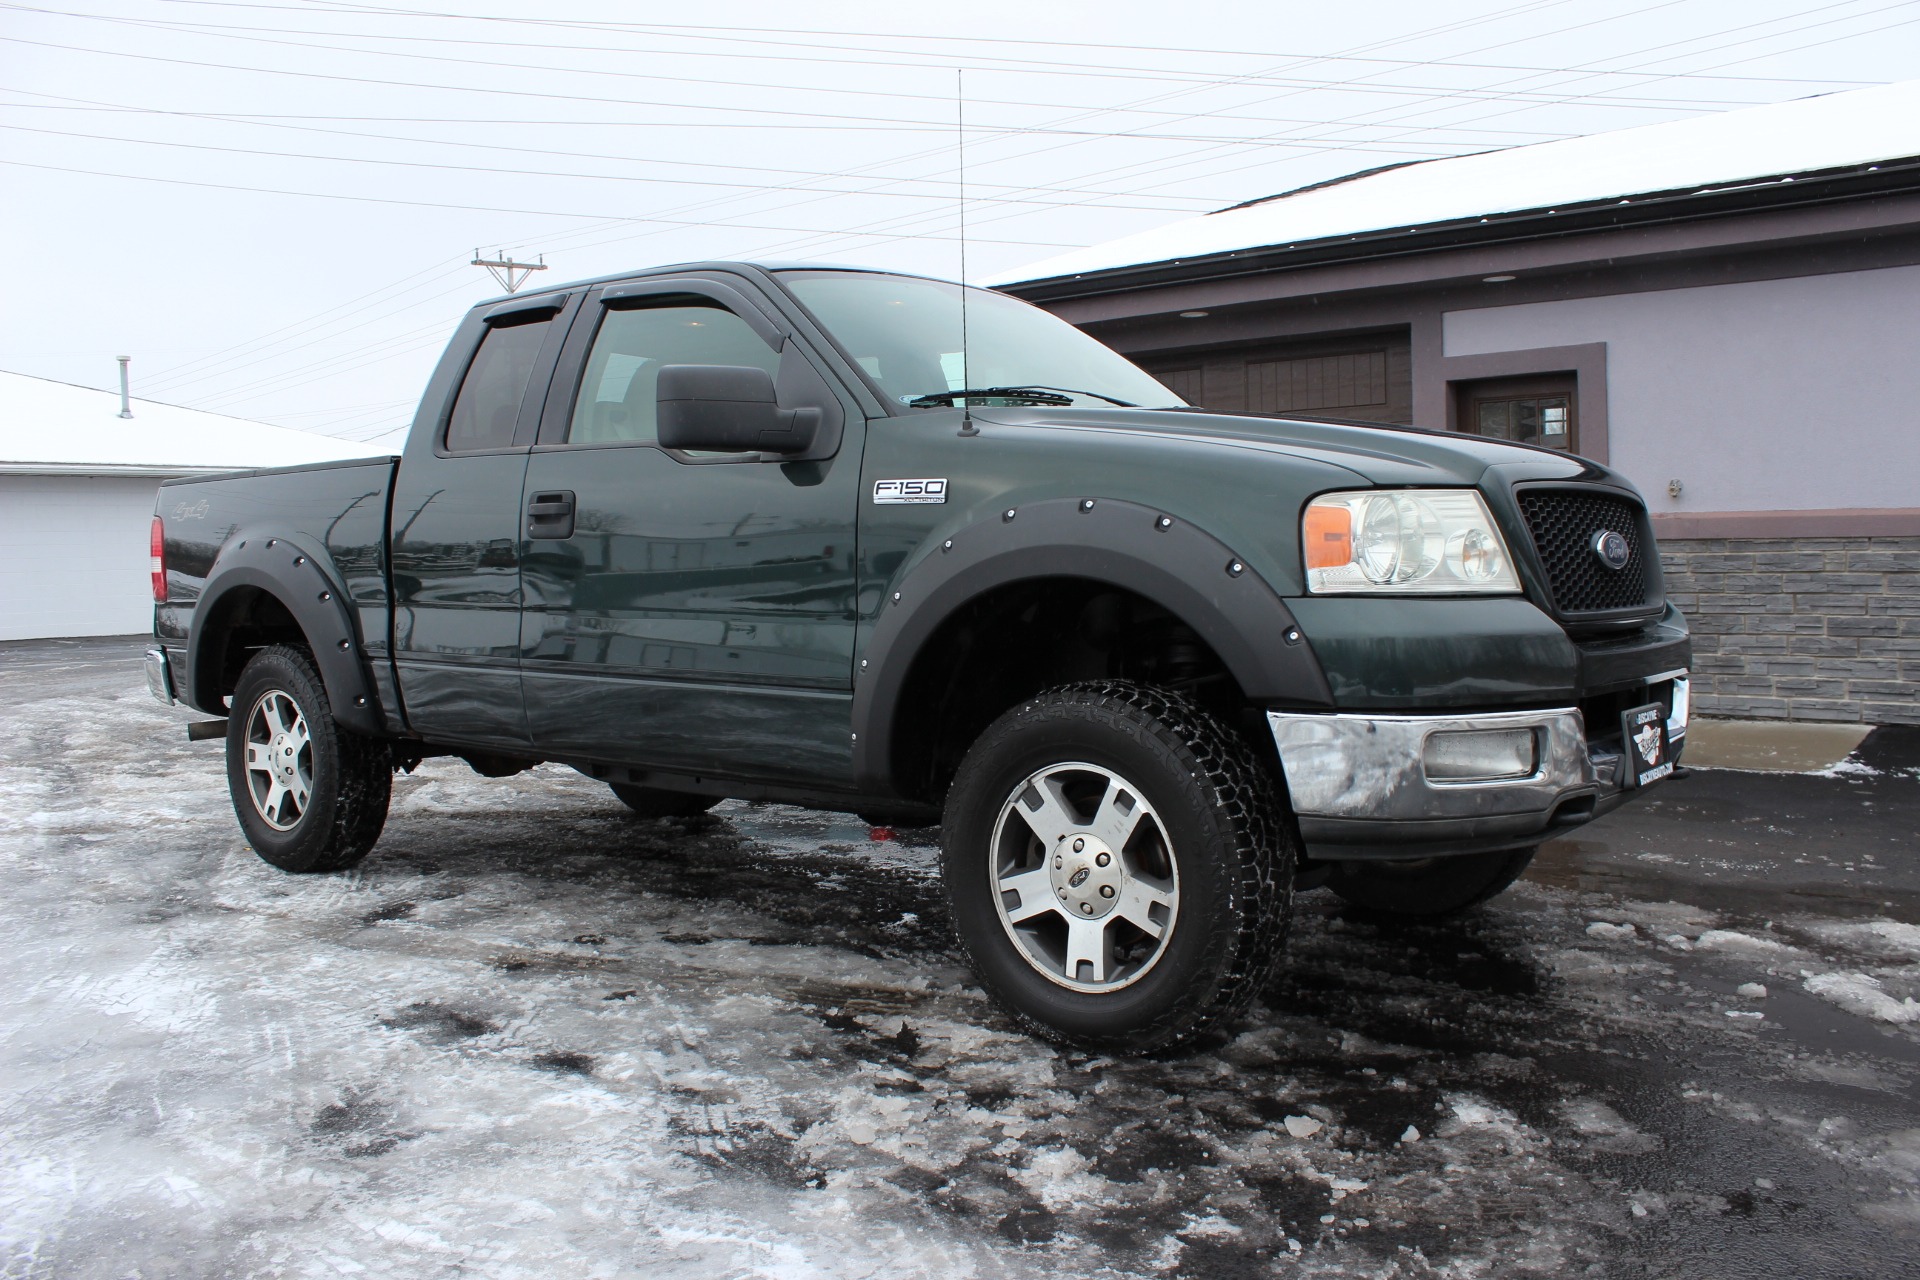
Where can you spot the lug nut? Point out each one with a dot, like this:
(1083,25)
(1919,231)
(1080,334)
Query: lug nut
(1079,845)
(1106,891)
(1058,863)
(1102,860)
(1087,907)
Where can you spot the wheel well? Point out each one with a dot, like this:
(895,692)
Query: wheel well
(243,621)
(1016,640)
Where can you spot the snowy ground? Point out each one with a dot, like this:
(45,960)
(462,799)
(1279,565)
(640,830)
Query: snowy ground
(534,1036)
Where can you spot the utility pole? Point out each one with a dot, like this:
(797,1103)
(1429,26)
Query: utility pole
(509,273)
(126,399)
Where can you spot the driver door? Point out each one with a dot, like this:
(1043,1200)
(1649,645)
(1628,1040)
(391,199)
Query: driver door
(693,614)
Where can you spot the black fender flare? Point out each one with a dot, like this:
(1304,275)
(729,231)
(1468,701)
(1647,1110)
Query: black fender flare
(1177,565)
(298,575)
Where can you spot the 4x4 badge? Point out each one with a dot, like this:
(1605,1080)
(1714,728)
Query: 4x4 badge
(1612,549)
(887,493)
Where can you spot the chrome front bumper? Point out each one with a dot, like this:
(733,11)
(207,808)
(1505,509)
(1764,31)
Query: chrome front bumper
(160,676)
(1359,784)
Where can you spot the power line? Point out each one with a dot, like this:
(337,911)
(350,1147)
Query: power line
(1401,91)
(475,208)
(494,170)
(975,58)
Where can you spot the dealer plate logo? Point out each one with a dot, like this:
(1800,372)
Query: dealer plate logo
(890,493)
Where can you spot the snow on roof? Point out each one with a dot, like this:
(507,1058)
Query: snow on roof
(55,428)
(1827,132)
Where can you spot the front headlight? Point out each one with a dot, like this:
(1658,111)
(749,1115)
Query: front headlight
(1404,542)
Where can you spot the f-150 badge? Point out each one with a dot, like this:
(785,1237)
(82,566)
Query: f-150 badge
(888,493)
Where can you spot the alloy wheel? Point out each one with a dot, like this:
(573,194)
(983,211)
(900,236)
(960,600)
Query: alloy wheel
(1084,877)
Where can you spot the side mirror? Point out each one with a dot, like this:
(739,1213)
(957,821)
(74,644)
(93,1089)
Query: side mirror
(728,409)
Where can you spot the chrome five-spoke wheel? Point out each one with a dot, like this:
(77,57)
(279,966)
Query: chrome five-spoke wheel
(279,760)
(1085,877)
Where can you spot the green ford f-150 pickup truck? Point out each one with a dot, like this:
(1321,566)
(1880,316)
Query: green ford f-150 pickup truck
(871,542)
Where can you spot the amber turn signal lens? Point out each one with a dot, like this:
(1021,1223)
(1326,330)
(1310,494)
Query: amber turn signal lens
(1329,532)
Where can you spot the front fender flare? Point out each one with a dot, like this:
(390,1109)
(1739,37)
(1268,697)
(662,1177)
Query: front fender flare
(1177,565)
(288,568)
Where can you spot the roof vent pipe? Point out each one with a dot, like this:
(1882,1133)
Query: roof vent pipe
(126,405)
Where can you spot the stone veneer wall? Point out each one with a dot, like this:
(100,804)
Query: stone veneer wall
(1801,628)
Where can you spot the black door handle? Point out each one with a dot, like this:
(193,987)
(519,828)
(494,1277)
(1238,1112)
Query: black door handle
(550,515)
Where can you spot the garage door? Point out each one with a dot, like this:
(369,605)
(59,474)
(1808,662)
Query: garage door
(1367,376)
(73,556)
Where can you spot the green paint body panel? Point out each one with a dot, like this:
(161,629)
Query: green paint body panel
(704,609)
(710,619)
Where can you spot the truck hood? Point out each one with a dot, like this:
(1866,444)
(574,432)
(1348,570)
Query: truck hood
(1382,455)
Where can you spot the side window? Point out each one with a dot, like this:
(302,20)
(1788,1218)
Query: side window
(616,401)
(488,405)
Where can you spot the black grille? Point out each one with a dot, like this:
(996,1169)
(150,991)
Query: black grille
(1563,522)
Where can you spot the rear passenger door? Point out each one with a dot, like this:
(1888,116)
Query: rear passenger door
(692,613)
(456,526)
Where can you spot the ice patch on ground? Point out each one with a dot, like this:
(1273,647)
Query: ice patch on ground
(1862,994)
(1605,1129)
(1734,940)
(1885,937)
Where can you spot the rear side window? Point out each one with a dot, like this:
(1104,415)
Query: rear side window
(488,406)
(616,404)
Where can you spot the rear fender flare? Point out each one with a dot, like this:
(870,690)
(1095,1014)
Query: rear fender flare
(287,567)
(1177,565)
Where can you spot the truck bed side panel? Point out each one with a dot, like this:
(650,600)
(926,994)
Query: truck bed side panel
(339,509)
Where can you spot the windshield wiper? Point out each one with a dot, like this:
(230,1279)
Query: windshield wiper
(1075,391)
(1026,395)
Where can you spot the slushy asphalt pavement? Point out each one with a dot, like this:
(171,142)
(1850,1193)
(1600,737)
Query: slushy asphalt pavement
(533,1036)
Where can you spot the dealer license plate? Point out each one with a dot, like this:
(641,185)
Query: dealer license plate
(1649,756)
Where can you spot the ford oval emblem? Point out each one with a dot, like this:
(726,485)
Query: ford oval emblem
(1612,549)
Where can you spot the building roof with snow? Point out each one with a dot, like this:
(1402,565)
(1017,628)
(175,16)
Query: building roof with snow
(1752,156)
(56,428)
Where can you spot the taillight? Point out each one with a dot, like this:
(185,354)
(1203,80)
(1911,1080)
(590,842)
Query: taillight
(157,547)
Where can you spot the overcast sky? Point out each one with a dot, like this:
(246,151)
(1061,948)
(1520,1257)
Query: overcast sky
(272,206)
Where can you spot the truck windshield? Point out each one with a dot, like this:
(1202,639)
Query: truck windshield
(905,332)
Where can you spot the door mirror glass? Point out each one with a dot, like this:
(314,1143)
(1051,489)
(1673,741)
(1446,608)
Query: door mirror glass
(728,409)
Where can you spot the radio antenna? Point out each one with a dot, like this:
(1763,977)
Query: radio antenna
(960,133)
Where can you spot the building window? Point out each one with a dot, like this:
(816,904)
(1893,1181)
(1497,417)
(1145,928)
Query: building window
(1533,410)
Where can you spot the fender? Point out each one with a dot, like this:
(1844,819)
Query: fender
(1177,565)
(287,567)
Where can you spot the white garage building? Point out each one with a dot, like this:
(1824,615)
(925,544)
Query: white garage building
(77,486)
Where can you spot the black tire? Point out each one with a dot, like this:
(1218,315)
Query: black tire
(348,778)
(651,802)
(1431,887)
(1226,839)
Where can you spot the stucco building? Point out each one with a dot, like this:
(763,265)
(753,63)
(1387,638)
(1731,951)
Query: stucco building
(1725,308)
